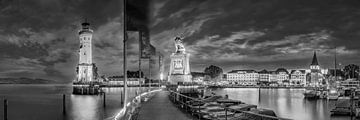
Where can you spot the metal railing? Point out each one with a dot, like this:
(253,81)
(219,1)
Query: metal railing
(130,112)
(184,102)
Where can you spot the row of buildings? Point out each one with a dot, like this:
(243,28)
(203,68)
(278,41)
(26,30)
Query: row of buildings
(280,76)
(314,76)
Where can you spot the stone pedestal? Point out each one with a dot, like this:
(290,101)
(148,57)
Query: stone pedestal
(179,68)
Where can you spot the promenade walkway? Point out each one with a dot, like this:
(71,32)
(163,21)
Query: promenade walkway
(161,108)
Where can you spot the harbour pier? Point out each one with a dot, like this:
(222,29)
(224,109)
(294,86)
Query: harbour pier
(161,108)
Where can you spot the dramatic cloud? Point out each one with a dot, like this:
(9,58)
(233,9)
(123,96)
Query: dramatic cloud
(39,39)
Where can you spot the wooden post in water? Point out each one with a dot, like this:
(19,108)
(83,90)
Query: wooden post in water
(104,99)
(64,104)
(259,94)
(121,96)
(5,109)
(225,113)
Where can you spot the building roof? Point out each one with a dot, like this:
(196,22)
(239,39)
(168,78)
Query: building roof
(282,70)
(314,60)
(247,71)
(264,72)
(302,71)
(272,72)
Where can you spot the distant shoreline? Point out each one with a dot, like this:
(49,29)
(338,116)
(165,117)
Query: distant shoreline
(269,87)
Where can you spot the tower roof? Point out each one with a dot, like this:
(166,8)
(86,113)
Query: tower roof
(314,60)
(85,27)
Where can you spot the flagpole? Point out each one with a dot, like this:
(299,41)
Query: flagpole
(140,37)
(150,73)
(159,70)
(124,55)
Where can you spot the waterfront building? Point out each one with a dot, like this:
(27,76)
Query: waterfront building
(198,77)
(315,76)
(243,77)
(85,69)
(282,76)
(273,77)
(224,77)
(179,64)
(264,77)
(350,83)
(119,81)
(298,77)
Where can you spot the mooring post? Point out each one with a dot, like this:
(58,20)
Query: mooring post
(122,99)
(5,109)
(225,113)
(64,104)
(104,99)
(259,95)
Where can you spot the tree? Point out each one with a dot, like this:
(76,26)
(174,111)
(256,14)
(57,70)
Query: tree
(351,71)
(213,71)
(134,74)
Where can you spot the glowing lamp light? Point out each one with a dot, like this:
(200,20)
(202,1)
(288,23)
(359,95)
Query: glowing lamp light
(161,76)
(332,91)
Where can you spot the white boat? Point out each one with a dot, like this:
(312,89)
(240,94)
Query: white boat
(333,94)
(311,94)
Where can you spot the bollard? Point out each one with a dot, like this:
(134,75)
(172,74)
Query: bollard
(5,109)
(64,104)
(104,99)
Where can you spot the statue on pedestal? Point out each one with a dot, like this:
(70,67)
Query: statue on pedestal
(179,64)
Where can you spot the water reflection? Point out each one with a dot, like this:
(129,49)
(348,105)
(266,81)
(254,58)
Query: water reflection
(288,103)
(44,102)
(85,107)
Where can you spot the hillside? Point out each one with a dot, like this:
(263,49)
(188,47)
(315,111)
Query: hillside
(25,81)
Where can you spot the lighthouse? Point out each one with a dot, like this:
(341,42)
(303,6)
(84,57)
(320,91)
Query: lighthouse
(85,66)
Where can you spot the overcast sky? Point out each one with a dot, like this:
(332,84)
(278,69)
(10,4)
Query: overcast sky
(39,39)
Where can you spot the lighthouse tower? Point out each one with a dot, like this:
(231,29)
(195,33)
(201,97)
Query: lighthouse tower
(85,66)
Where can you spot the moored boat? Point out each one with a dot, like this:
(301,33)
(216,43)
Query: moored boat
(333,94)
(342,106)
(311,94)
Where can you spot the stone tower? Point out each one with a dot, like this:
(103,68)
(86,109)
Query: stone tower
(315,74)
(85,66)
(314,66)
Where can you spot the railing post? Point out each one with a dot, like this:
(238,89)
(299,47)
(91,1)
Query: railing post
(199,112)
(185,102)
(5,109)
(64,104)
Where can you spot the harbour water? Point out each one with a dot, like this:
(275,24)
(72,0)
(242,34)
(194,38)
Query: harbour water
(44,102)
(287,103)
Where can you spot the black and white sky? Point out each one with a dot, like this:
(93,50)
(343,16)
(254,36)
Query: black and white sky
(38,38)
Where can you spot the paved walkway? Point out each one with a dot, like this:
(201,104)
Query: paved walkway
(161,108)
